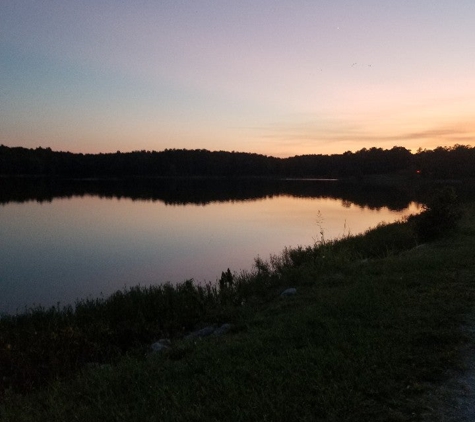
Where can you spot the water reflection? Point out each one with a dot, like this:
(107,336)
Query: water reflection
(205,191)
(61,242)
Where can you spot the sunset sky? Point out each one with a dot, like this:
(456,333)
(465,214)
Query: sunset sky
(276,77)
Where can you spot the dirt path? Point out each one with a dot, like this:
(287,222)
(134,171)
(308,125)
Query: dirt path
(454,401)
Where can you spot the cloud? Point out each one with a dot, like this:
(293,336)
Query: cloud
(335,136)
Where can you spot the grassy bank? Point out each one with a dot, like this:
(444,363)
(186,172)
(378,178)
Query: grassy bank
(374,324)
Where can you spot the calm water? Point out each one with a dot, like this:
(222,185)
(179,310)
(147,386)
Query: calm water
(58,245)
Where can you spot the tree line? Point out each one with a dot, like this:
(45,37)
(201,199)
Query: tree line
(440,163)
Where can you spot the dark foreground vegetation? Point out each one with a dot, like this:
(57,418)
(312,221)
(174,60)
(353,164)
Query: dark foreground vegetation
(374,324)
(441,163)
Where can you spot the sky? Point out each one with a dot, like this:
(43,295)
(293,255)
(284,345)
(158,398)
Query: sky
(274,77)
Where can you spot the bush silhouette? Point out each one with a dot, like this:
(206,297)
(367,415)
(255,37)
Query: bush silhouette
(440,215)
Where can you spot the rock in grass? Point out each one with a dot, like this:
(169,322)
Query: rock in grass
(160,345)
(289,292)
(204,332)
(207,331)
(222,330)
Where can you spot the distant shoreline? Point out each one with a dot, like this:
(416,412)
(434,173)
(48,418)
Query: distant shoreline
(440,164)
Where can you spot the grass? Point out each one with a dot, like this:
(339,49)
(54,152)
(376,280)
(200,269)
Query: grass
(373,327)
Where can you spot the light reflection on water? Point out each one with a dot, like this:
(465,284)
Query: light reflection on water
(83,246)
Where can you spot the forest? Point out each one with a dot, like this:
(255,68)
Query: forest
(455,162)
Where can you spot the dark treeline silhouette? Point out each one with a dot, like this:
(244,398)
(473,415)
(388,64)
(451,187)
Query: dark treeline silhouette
(168,163)
(442,163)
(204,191)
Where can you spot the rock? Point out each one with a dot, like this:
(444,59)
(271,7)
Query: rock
(204,332)
(209,330)
(222,330)
(161,345)
(289,292)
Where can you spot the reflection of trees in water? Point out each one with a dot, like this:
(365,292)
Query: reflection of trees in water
(345,203)
(205,191)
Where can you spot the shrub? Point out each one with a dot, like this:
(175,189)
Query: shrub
(440,215)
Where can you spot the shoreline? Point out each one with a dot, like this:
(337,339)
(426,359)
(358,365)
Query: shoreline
(376,286)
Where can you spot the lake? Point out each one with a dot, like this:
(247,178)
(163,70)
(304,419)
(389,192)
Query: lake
(61,241)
